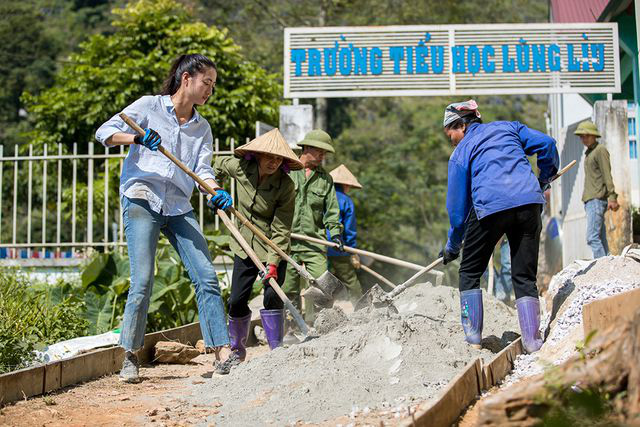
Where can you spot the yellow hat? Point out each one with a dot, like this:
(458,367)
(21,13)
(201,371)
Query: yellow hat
(342,175)
(274,143)
(587,128)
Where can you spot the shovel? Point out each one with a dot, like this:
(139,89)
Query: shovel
(306,331)
(376,297)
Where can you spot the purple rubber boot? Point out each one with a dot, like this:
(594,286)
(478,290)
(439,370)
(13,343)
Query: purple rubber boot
(471,313)
(273,324)
(529,318)
(238,334)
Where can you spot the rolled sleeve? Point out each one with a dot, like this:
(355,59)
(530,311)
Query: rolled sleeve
(205,155)
(138,111)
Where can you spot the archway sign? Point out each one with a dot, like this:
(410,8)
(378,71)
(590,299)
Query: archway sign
(421,60)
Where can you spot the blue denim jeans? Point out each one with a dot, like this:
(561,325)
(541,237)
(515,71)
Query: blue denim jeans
(142,227)
(503,287)
(596,231)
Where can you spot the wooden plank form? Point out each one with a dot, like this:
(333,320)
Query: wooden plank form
(84,367)
(598,315)
(465,388)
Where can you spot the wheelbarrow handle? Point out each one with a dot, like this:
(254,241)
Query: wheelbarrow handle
(227,221)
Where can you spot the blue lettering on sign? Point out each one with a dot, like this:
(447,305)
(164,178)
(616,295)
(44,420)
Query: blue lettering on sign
(572,62)
(330,61)
(457,52)
(554,58)
(423,59)
(298,56)
(360,60)
(522,53)
(473,59)
(488,52)
(422,52)
(396,53)
(508,63)
(539,58)
(376,61)
(597,52)
(409,60)
(314,62)
(345,61)
(437,59)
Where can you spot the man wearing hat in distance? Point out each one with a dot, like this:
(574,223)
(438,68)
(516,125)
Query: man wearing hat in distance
(341,264)
(493,191)
(316,211)
(266,197)
(599,193)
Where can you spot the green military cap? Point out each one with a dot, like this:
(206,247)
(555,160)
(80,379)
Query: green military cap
(319,139)
(587,128)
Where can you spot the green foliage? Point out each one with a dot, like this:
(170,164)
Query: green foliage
(106,282)
(31,318)
(111,71)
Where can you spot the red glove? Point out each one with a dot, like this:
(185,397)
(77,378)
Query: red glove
(272,271)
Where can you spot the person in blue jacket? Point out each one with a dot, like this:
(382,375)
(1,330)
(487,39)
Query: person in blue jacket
(342,264)
(492,190)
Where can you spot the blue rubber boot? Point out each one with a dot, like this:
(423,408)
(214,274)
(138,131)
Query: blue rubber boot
(529,319)
(471,314)
(273,324)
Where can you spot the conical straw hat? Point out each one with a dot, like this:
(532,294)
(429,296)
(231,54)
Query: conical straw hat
(271,142)
(342,175)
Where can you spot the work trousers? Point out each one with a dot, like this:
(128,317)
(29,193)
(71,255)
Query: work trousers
(142,227)
(596,230)
(244,276)
(341,267)
(316,264)
(522,225)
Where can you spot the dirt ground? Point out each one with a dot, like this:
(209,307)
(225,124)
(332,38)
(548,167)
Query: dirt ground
(107,402)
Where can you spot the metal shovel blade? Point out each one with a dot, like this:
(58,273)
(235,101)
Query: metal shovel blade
(323,289)
(374,297)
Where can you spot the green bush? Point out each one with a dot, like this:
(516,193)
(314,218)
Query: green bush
(32,317)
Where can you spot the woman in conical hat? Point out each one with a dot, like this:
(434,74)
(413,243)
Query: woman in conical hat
(266,196)
(341,264)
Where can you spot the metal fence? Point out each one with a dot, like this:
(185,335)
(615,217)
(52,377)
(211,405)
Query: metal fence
(48,218)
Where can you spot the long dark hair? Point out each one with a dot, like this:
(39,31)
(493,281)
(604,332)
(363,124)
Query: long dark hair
(192,64)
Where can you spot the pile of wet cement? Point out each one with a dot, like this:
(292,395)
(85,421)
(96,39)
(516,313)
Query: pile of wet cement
(374,359)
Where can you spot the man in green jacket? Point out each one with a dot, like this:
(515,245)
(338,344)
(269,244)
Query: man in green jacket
(599,193)
(316,211)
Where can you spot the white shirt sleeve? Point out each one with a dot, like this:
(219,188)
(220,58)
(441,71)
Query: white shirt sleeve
(138,111)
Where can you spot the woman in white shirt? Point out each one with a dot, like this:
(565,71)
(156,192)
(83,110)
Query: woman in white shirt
(155,197)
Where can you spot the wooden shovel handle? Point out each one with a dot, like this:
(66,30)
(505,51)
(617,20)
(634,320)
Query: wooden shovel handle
(232,228)
(233,210)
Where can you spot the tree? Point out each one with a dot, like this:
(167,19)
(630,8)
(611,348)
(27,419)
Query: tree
(26,62)
(111,71)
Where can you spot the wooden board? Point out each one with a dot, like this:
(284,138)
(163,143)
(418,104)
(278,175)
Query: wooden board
(598,315)
(501,364)
(459,394)
(20,384)
(88,366)
(43,379)
(52,376)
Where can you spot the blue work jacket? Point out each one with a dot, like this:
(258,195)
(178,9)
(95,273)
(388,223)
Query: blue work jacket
(490,172)
(348,220)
